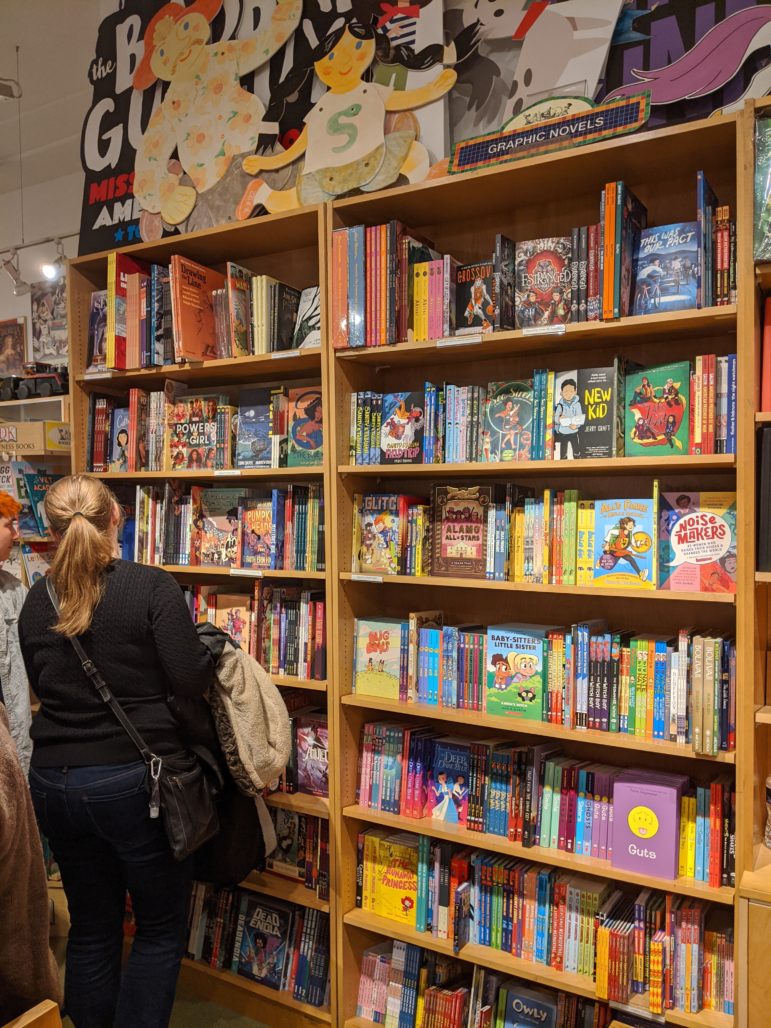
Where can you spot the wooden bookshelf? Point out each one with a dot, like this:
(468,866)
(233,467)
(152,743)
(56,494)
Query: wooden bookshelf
(553,858)
(509,200)
(481,205)
(290,247)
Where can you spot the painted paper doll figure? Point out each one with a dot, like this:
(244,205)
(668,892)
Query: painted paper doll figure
(206,116)
(502,672)
(350,141)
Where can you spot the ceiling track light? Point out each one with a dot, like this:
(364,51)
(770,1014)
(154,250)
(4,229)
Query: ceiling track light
(10,266)
(57,268)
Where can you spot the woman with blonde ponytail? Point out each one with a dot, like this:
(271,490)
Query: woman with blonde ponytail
(87,780)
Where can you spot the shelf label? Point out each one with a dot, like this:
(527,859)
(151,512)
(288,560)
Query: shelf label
(248,572)
(544,330)
(284,353)
(220,472)
(366,578)
(460,340)
(98,374)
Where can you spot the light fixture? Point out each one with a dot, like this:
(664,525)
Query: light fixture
(11,268)
(56,269)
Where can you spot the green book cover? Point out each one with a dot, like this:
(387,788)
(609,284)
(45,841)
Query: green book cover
(656,419)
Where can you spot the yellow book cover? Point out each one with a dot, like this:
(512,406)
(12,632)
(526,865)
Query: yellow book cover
(396,884)
(691,862)
(682,853)
(602,963)
(421,1002)
(372,841)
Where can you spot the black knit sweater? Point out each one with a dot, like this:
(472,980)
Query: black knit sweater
(143,641)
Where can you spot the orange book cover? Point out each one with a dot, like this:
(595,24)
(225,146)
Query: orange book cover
(765,376)
(609,247)
(195,336)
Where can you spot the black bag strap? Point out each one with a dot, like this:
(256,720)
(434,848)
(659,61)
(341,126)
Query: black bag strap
(96,679)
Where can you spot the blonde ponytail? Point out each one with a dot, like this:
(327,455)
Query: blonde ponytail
(80,511)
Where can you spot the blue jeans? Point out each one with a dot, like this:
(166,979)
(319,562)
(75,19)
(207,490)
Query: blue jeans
(97,822)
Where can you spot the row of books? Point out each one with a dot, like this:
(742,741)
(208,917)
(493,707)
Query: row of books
(153,315)
(283,946)
(544,916)
(596,413)
(308,768)
(405,986)
(283,627)
(302,850)
(679,541)
(268,428)
(278,529)
(28,485)
(659,825)
(675,688)
(389,283)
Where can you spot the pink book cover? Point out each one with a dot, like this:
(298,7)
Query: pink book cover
(646,825)
(435,299)
(564,803)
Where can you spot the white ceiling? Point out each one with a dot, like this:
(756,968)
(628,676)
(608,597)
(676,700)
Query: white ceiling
(56,40)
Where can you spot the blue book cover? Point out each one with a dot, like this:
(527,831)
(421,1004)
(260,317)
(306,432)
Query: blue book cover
(253,441)
(624,543)
(706,202)
(356,286)
(526,1007)
(119,439)
(265,940)
(448,780)
(666,268)
(702,806)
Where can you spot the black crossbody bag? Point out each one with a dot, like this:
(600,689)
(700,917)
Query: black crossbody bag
(182,793)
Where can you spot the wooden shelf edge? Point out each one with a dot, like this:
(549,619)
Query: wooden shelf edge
(497,960)
(538,855)
(239,573)
(223,477)
(280,361)
(316,806)
(538,728)
(281,997)
(763,715)
(661,325)
(720,461)
(290,682)
(292,890)
(534,587)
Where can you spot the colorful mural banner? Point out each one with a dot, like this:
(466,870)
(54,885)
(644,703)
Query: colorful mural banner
(577,129)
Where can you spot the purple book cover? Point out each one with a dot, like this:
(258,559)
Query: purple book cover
(646,812)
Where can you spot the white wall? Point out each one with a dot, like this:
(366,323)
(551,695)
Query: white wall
(50,209)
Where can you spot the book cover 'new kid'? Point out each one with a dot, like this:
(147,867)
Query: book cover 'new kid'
(378,657)
(448,781)
(625,543)
(508,421)
(543,295)
(264,941)
(697,542)
(515,670)
(665,268)
(588,418)
(401,433)
(657,410)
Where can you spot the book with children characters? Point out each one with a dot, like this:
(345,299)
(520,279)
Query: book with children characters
(697,542)
(263,934)
(305,433)
(516,669)
(666,268)
(588,413)
(401,431)
(625,555)
(657,410)
(214,531)
(543,295)
(448,780)
(508,421)
(379,666)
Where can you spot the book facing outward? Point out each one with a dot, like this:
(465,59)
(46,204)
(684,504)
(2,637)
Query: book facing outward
(192,286)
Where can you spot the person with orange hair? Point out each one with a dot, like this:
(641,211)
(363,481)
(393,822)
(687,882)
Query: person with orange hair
(14,687)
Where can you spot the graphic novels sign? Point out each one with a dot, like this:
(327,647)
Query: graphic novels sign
(588,124)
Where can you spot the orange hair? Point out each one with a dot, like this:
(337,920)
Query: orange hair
(144,75)
(9,507)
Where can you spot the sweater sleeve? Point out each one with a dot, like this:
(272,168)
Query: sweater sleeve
(185,660)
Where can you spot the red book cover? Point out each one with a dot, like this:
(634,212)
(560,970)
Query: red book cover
(195,335)
(691,399)
(116,318)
